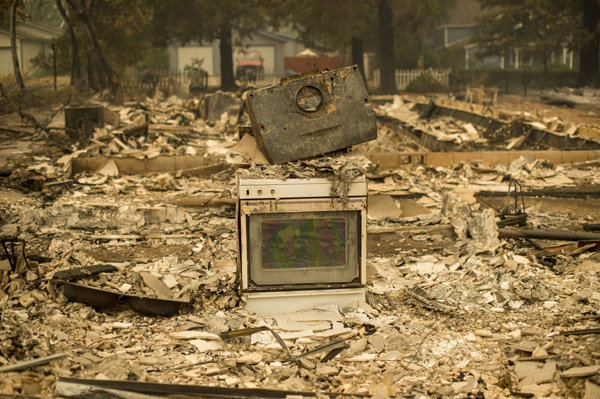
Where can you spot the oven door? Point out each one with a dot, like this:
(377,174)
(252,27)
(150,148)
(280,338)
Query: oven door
(308,243)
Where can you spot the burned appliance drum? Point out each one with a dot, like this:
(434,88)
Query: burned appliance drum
(90,296)
(83,119)
(154,306)
(312,115)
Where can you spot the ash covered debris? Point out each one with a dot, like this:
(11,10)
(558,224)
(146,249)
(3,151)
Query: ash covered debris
(444,317)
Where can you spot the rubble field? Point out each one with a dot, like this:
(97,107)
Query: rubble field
(454,309)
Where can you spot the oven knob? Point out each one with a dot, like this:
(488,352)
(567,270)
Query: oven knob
(259,192)
(272,192)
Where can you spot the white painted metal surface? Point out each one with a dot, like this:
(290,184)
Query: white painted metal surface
(273,303)
(295,188)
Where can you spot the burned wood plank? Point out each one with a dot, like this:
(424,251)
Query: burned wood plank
(547,235)
(75,388)
(542,193)
(205,201)
(86,271)
(32,363)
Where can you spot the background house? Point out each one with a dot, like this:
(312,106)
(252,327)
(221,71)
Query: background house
(453,38)
(273,48)
(33,38)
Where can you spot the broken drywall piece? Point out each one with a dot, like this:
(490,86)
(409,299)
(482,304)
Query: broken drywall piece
(205,346)
(412,208)
(535,372)
(481,226)
(592,391)
(458,213)
(383,206)
(157,285)
(109,169)
(246,147)
(580,371)
(378,343)
(484,230)
(357,347)
(191,334)
(470,128)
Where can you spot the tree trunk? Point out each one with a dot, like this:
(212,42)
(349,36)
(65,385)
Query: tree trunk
(73,47)
(589,57)
(227,78)
(108,76)
(13,43)
(421,58)
(358,56)
(75,64)
(91,68)
(545,59)
(387,83)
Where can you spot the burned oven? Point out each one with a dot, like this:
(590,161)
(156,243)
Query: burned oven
(311,114)
(299,244)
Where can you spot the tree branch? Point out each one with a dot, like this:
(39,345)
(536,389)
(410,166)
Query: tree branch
(26,117)
(62,12)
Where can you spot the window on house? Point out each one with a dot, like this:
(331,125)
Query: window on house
(525,57)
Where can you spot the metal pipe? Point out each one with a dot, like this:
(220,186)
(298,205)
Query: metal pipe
(547,235)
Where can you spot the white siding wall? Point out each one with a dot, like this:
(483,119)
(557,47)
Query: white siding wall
(6,66)
(30,50)
(185,55)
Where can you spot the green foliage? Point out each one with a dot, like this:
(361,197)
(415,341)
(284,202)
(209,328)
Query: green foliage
(332,23)
(45,62)
(196,67)
(426,84)
(453,57)
(41,11)
(534,77)
(37,98)
(548,25)
(407,53)
(155,58)
(413,21)
(186,21)
(420,17)
(5,14)
(196,73)
(122,27)
(559,67)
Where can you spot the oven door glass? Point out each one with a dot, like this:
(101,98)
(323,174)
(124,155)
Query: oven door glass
(304,247)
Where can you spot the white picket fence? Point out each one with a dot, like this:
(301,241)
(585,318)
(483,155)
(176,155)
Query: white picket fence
(405,76)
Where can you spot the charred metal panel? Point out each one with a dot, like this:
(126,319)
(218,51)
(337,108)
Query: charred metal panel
(312,115)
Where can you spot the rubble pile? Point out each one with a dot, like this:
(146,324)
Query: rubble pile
(141,130)
(470,136)
(453,309)
(166,127)
(488,322)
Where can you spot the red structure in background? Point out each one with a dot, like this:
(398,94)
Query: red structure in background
(306,64)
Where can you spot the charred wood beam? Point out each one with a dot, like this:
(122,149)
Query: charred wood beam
(541,193)
(75,388)
(534,137)
(547,235)
(591,227)
(581,332)
(32,363)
